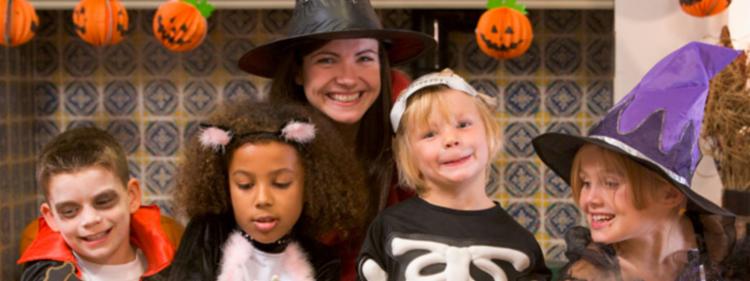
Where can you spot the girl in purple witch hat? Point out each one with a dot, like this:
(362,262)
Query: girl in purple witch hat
(631,178)
(336,58)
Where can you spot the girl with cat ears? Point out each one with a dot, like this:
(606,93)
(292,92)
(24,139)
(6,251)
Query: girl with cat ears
(263,182)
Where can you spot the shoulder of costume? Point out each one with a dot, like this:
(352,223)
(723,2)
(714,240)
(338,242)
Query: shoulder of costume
(47,245)
(49,270)
(402,206)
(147,233)
(210,225)
(200,251)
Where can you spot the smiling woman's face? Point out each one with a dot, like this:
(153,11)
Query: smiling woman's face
(342,78)
(266,183)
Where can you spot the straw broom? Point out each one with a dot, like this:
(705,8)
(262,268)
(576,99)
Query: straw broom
(727,130)
(727,126)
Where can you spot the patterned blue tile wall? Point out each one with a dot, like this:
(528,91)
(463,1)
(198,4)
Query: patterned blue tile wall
(19,197)
(562,84)
(151,99)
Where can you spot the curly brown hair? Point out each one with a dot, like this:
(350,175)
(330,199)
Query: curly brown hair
(335,197)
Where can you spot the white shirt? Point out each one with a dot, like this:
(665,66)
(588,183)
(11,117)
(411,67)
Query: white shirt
(130,271)
(265,267)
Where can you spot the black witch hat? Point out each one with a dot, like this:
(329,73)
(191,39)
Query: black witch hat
(335,19)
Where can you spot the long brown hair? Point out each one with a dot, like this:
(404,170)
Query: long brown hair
(373,144)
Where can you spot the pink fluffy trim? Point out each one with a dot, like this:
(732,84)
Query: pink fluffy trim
(237,250)
(300,132)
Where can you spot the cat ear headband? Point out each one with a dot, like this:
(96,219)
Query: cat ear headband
(218,137)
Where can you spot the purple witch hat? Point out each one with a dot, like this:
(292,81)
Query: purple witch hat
(657,124)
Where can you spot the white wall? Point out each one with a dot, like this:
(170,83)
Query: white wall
(648,30)
(739,23)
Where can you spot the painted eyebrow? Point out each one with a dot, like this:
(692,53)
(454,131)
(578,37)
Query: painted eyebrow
(64,204)
(110,193)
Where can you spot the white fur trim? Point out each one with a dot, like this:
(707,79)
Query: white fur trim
(237,250)
(296,261)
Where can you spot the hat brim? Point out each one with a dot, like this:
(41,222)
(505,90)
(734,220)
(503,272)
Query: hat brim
(402,46)
(557,151)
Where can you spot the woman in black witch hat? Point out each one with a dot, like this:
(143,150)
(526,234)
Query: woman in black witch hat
(336,57)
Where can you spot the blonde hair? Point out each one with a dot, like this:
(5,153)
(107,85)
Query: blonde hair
(643,181)
(419,107)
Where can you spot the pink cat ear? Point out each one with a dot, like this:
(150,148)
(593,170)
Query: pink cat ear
(215,138)
(300,132)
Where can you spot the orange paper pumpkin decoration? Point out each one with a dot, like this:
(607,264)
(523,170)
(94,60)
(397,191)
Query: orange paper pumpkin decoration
(704,8)
(181,25)
(19,24)
(100,22)
(504,31)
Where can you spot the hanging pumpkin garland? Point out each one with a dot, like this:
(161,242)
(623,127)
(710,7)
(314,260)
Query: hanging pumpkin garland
(100,22)
(19,22)
(504,31)
(181,25)
(704,8)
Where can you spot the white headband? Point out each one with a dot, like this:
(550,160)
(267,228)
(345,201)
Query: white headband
(445,77)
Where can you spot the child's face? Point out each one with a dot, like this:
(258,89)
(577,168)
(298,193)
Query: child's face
(606,200)
(451,151)
(91,209)
(266,186)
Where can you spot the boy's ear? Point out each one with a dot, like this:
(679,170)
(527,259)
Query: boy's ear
(49,217)
(134,195)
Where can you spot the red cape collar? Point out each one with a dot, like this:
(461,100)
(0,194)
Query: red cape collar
(145,233)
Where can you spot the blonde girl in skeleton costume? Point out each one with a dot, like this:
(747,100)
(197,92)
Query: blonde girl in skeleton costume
(446,139)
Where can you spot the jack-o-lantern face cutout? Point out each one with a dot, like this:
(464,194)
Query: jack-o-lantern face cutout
(179,26)
(19,22)
(704,8)
(504,33)
(100,22)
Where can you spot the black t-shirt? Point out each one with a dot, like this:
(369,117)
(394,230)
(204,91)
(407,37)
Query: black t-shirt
(415,238)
